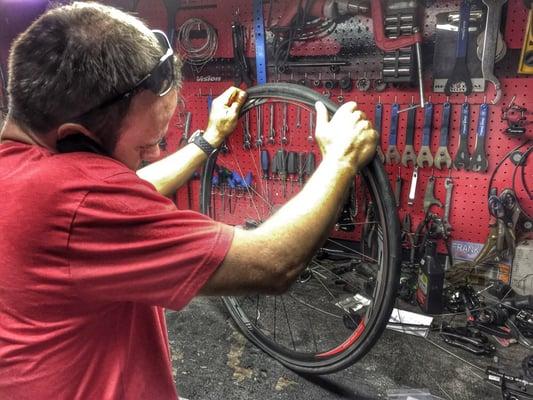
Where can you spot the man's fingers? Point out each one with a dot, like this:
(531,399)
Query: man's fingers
(359,115)
(321,115)
(235,107)
(350,106)
(234,95)
(227,95)
(363,125)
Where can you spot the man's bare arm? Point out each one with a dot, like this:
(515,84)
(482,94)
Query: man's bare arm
(173,171)
(270,257)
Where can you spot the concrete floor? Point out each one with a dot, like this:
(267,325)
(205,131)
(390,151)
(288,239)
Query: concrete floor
(211,360)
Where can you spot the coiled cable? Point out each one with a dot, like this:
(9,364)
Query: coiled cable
(195,54)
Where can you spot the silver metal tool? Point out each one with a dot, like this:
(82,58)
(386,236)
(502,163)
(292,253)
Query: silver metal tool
(187,128)
(271,130)
(490,41)
(448,185)
(285,126)
(259,114)
(418,48)
(247,138)
(429,196)
(412,188)
(298,117)
(311,126)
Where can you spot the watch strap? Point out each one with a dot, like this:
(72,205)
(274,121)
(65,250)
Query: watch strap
(204,145)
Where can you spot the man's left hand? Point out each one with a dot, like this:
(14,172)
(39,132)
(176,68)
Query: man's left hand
(224,115)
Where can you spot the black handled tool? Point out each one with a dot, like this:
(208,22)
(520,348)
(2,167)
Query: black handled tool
(409,154)
(310,164)
(459,81)
(378,119)
(292,167)
(300,165)
(280,164)
(241,71)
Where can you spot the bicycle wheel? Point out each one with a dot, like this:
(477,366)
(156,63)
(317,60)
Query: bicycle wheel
(339,306)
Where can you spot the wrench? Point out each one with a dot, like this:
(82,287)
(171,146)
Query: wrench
(490,40)
(460,81)
(185,136)
(448,185)
(442,152)
(424,156)
(271,132)
(298,117)
(409,154)
(247,138)
(378,116)
(412,188)
(429,196)
(259,114)
(311,127)
(285,127)
(398,189)
(462,158)
(392,156)
(478,161)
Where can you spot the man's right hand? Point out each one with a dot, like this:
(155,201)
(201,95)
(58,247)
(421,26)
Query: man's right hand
(347,137)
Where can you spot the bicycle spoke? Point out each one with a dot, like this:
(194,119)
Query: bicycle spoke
(288,323)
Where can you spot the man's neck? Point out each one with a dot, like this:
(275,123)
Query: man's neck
(11,131)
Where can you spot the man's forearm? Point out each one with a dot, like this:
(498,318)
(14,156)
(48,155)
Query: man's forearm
(303,223)
(173,171)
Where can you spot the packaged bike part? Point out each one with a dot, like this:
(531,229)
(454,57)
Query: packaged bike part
(430,281)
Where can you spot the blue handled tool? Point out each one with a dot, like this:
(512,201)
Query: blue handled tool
(478,161)
(462,158)
(459,80)
(424,156)
(443,156)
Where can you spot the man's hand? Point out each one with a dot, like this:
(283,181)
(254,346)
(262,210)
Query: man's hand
(224,115)
(348,137)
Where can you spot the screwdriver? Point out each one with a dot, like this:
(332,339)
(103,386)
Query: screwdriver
(292,167)
(265,162)
(280,164)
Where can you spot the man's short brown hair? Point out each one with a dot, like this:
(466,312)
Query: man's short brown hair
(74,58)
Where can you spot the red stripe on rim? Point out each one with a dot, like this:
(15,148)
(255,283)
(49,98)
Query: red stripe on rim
(347,343)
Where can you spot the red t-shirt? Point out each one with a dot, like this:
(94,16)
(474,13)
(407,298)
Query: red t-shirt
(89,253)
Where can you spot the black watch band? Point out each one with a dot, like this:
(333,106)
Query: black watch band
(198,139)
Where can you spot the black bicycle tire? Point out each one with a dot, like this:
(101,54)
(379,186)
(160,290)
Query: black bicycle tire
(376,174)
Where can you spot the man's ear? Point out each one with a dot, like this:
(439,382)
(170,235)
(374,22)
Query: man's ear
(69,128)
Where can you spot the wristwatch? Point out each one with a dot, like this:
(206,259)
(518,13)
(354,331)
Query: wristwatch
(198,139)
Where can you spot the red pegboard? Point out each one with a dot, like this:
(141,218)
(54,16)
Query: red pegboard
(469,215)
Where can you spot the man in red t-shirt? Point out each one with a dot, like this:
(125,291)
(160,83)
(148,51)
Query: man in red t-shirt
(91,250)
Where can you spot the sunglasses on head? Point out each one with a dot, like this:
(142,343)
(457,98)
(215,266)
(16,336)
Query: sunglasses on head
(159,80)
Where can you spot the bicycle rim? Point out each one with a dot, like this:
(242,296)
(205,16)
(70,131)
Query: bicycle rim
(339,306)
